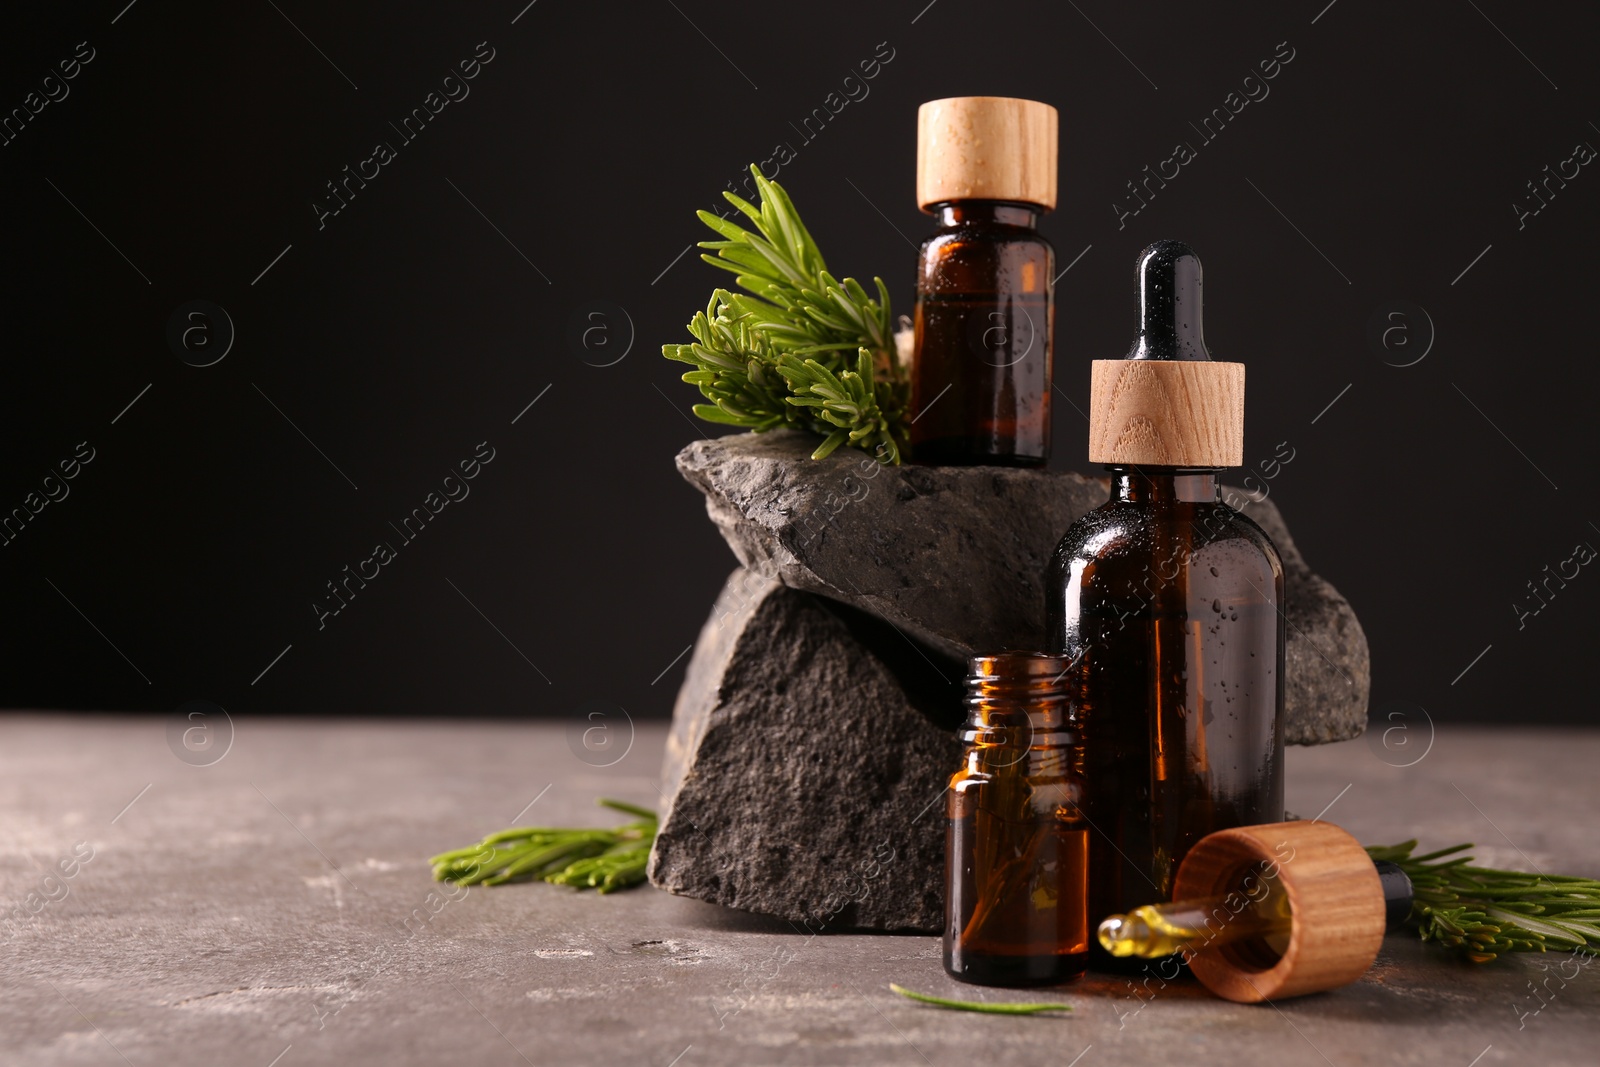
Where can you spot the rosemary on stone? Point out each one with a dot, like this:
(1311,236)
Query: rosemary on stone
(604,860)
(990,1007)
(798,347)
(1482,912)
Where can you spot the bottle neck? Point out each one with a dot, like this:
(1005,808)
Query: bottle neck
(1021,717)
(998,212)
(1020,728)
(1019,699)
(1163,485)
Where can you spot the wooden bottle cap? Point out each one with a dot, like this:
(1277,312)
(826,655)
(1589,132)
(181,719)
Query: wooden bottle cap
(1166,413)
(986,148)
(1335,897)
(1168,404)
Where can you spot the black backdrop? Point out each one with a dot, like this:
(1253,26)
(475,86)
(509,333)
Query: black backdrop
(1377,174)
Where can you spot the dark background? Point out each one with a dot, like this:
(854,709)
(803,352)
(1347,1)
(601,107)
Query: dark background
(379,350)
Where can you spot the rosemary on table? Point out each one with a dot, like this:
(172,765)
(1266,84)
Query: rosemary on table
(989,1007)
(604,860)
(1482,912)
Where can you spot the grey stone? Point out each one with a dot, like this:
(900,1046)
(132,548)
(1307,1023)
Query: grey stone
(814,731)
(1327,673)
(954,557)
(805,768)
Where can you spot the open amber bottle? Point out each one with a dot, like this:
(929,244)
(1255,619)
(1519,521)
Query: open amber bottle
(1017,848)
(1170,603)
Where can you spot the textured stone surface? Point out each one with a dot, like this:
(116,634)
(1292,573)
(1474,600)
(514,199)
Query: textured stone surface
(1328,670)
(803,780)
(207,930)
(955,556)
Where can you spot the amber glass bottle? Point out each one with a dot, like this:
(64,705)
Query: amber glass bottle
(980,381)
(1170,604)
(1017,848)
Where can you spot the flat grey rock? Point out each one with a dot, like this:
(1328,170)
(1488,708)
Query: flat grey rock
(954,557)
(1327,667)
(802,778)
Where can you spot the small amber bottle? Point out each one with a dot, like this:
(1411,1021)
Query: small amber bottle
(1170,603)
(980,379)
(1017,847)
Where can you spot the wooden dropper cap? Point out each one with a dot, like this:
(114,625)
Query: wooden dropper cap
(1336,901)
(1167,403)
(986,148)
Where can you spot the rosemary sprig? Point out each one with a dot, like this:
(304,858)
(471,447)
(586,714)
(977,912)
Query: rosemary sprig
(1482,912)
(604,860)
(798,347)
(991,1007)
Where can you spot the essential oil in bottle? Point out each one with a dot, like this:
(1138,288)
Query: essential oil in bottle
(980,378)
(1170,604)
(1017,845)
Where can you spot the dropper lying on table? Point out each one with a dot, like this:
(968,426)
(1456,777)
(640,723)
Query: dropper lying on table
(1270,911)
(1157,930)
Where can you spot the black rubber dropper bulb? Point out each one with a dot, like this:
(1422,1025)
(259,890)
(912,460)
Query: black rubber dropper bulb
(1398,894)
(1171,284)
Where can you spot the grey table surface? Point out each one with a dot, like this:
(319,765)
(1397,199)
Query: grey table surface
(255,911)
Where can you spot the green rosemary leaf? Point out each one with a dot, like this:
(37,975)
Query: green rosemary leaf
(833,441)
(719,413)
(749,210)
(991,1007)
(538,859)
(883,300)
(1409,845)
(731,230)
(722,263)
(627,809)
